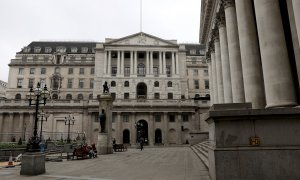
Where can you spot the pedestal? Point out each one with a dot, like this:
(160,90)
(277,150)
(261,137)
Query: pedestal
(33,163)
(104,145)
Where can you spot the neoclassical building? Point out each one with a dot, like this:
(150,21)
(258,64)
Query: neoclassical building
(152,81)
(252,47)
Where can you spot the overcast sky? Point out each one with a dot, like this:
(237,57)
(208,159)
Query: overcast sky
(23,21)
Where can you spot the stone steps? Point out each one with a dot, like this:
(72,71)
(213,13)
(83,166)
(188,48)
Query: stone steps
(201,150)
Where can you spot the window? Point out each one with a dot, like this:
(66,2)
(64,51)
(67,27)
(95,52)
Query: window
(126,95)
(43,83)
(84,50)
(30,83)
(169,84)
(202,52)
(92,70)
(48,49)
(19,83)
(32,70)
(194,60)
(193,51)
(185,117)
(125,118)
(157,117)
(70,71)
(57,70)
(81,83)
(21,71)
(43,70)
(205,72)
(196,84)
(54,96)
(195,72)
(90,96)
(70,83)
(81,70)
(156,84)
(80,97)
(74,49)
(113,84)
(156,95)
(61,49)
(26,49)
(37,49)
(141,69)
(126,83)
(18,97)
(155,71)
(182,96)
(168,69)
(206,82)
(113,95)
(113,71)
(69,97)
(127,71)
(170,95)
(91,83)
(171,118)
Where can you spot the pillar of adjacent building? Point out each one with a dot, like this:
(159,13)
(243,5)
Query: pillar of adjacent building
(105,63)
(177,63)
(21,124)
(122,63)
(164,63)
(278,80)
(160,63)
(11,123)
(151,62)
(151,129)
(118,128)
(131,63)
(166,128)
(173,63)
(214,77)
(135,63)
(119,63)
(147,63)
(1,126)
(179,129)
(133,129)
(109,63)
(227,87)
(208,60)
(219,68)
(250,55)
(236,73)
(296,8)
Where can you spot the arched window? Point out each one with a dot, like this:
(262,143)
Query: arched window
(18,97)
(69,96)
(156,84)
(126,83)
(80,97)
(141,71)
(113,84)
(55,96)
(169,84)
(91,96)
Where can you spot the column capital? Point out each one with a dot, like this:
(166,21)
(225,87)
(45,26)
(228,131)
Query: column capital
(220,18)
(228,3)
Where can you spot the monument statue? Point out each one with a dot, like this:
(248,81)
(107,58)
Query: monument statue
(102,118)
(105,88)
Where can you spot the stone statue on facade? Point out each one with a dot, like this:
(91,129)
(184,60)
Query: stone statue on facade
(102,118)
(105,88)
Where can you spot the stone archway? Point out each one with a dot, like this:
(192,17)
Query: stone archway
(141,91)
(126,136)
(142,131)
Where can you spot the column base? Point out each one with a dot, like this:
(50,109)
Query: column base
(33,164)
(282,104)
(103,144)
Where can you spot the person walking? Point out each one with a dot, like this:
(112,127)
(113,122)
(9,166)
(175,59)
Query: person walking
(142,143)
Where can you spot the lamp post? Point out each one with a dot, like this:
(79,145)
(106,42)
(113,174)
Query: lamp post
(69,121)
(43,117)
(39,95)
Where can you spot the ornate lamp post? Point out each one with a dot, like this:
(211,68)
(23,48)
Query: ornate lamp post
(39,95)
(43,117)
(69,121)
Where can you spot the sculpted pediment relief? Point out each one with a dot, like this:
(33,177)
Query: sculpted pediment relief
(142,39)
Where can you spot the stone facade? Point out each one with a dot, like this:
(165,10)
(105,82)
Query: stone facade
(3,86)
(149,79)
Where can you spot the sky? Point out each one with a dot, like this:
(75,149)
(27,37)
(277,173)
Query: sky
(24,21)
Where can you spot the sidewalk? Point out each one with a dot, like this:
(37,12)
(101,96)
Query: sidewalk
(174,163)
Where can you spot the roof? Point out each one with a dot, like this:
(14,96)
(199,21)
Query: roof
(197,47)
(55,44)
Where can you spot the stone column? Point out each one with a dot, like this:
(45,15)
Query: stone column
(105,63)
(122,63)
(219,68)
(279,86)
(177,63)
(1,125)
(173,63)
(135,63)
(131,63)
(21,124)
(166,128)
(151,62)
(11,124)
(296,7)
(210,78)
(179,124)
(119,63)
(151,129)
(164,63)
(109,63)
(236,74)
(214,77)
(225,59)
(133,129)
(118,128)
(160,64)
(147,63)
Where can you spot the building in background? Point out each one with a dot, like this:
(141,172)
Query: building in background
(148,79)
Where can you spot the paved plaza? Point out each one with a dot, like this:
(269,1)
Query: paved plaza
(174,163)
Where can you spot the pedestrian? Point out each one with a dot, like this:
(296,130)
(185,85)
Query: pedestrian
(142,144)
(114,144)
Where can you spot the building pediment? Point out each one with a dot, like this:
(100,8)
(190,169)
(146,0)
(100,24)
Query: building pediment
(141,39)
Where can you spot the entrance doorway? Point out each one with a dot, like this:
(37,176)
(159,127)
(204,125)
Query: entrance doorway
(141,91)
(142,131)
(126,136)
(158,136)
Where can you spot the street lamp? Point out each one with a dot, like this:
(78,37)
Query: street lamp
(39,95)
(43,117)
(69,121)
